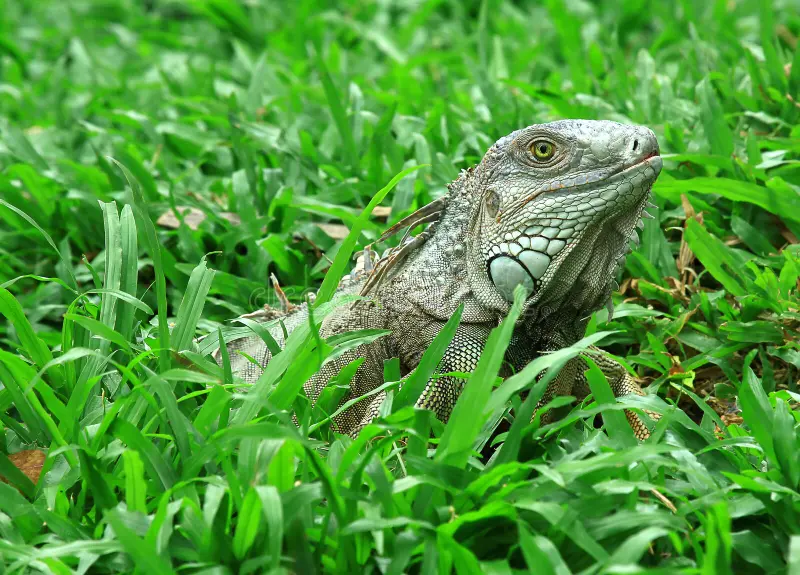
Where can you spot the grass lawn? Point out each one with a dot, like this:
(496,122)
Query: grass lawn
(159,159)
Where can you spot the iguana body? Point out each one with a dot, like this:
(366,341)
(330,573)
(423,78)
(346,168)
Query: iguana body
(552,207)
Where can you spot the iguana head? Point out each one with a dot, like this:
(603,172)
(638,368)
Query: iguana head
(554,207)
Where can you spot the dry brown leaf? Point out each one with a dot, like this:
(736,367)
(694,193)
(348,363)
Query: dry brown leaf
(783,32)
(335,231)
(382,211)
(192,216)
(788,235)
(688,208)
(30,462)
(232,218)
(676,367)
(731,419)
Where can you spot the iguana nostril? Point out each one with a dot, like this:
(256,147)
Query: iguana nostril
(635,145)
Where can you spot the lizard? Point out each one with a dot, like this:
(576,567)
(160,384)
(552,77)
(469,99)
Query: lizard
(553,207)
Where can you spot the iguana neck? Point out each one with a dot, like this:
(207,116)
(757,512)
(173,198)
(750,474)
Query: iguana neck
(434,280)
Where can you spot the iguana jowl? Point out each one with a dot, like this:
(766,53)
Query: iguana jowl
(552,207)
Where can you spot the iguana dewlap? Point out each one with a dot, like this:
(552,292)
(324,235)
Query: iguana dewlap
(552,207)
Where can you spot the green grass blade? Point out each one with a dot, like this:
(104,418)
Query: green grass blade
(793,555)
(129,273)
(716,257)
(615,423)
(65,262)
(17,478)
(155,464)
(113,267)
(540,553)
(715,126)
(248,525)
(784,205)
(757,412)
(99,328)
(415,384)
(154,247)
(273,514)
(142,555)
(21,147)
(336,271)
(191,307)
(181,427)
(34,347)
(339,115)
(261,332)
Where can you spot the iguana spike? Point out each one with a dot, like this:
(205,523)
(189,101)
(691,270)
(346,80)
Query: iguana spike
(397,255)
(425,214)
(635,238)
(610,308)
(286,305)
(648,215)
(434,217)
(364,262)
(640,224)
(368,267)
(650,204)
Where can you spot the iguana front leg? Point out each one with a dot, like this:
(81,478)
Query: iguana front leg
(368,376)
(441,392)
(621,384)
(462,355)
(572,381)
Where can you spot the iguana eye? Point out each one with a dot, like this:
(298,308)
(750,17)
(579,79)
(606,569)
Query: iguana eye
(492,203)
(542,150)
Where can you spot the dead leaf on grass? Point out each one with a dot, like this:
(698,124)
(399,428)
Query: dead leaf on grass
(30,462)
(335,231)
(193,217)
(382,211)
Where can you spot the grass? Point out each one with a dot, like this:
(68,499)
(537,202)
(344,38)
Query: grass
(159,159)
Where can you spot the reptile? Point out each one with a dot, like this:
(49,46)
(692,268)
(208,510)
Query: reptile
(553,207)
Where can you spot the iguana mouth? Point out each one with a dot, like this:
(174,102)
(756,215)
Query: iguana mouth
(653,160)
(577,183)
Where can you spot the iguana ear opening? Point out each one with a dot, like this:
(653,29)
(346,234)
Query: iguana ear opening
(492,203)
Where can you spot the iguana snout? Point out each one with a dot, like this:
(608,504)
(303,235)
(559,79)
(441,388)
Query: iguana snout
(559,195)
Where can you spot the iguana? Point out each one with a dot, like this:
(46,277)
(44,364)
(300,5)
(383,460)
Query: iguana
(552,207)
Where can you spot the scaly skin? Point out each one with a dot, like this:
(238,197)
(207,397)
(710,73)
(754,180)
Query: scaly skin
(552,207)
